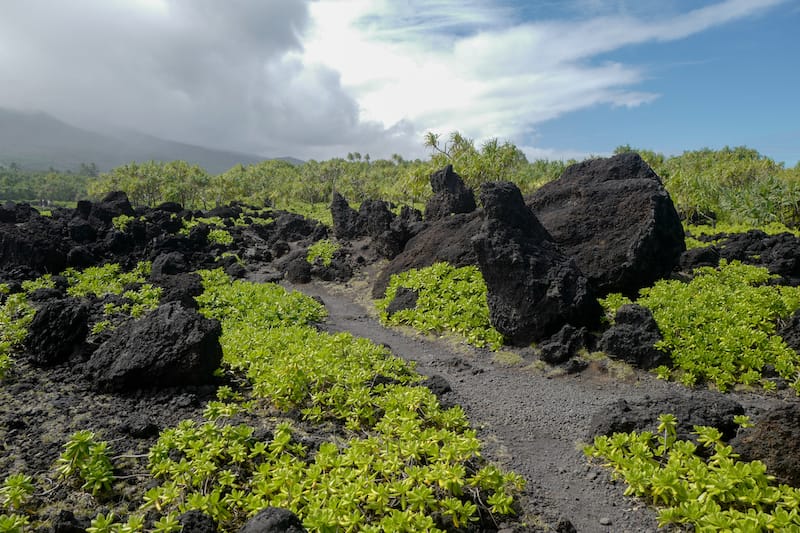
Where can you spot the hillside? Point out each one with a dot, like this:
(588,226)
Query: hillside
(38,141)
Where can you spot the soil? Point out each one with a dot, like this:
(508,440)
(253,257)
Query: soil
(531,419)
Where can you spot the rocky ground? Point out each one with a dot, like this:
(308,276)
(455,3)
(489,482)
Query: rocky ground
(535,420)
(544,258)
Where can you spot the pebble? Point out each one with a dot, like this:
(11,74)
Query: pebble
(605,521)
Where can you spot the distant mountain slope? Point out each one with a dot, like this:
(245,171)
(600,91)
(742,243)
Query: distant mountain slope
(38,141)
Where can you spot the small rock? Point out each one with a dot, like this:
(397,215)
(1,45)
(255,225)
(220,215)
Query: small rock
(605,521)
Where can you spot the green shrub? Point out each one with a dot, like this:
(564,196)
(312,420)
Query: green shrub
(405,459)
(714,494)
(323,251)
(220,236)
(450,299)
(15,316)
(721,326)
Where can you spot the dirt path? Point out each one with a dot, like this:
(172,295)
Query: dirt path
(530,422)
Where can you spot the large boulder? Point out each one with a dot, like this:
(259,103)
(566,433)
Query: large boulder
(112,205)
(376,216)
(391,242)
(614,217)
(450,195)
(445,240)
(39,244)
(774,439)
(347,224)
(699,408)
(58,328)
(632,338)
(170,346)
(533,289)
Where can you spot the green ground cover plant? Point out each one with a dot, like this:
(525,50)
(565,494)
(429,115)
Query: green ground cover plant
(694,232)
(450,299)
(721,326)
(712,492)
(15,315)
(397,462)
(405,459)
(323,251)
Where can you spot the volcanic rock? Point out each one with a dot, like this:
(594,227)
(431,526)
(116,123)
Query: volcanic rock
(450,195)
(376,217)
(273,520)
(14,213)
(780,254)
(38,244)
(614,217)
(57,329)
(701,408)
(112,205)
(181,288)
(633,338)
(170,346)
(347,223)
(404,298)
(195,521)
(699,257)
(774,439)
(446,240)
(533,289)
(565,344)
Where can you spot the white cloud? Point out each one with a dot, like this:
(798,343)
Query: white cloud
(320,79)
(494,78)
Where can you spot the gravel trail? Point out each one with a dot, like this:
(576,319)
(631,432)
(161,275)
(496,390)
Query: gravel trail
(530,422)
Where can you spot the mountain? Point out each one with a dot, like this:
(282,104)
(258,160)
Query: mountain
(38,141)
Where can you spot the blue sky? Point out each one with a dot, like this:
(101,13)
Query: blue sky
(732,85)
(321,78)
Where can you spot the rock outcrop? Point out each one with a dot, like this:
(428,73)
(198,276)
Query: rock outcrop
(632,338)
(701,408)
(447,240)
(347,223)
(614,217)
(58,328)
(533,289)
(774,439)
(170,346)
(450,195)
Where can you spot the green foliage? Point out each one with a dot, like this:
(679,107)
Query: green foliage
(106,279)
(732,185)
(611,303)
(492,162)
(16,490)
(263,305)
(714,494)
(407,459)
(44,282)
(15,316)
(122,222)
(450,299)
(87,459)
(720,327)
(220,236)
(322,250)
(152,183)
(13,523)
(109,279)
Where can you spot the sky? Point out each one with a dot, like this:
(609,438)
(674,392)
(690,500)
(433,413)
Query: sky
(319,79)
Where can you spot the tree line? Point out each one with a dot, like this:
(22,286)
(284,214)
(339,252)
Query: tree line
(735,185)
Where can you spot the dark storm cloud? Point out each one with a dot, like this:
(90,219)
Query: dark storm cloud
(221,74)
